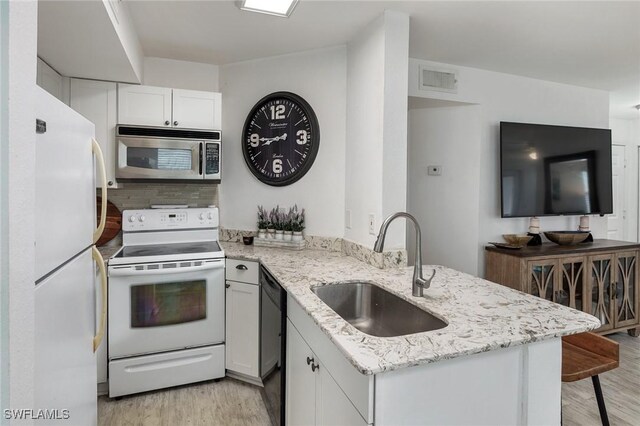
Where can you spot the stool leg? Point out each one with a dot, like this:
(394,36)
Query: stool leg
(603,410)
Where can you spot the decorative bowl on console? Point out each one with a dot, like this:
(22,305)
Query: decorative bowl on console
(567,238)
(520,240)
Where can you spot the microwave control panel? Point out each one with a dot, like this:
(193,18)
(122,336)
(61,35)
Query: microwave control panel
(212,155)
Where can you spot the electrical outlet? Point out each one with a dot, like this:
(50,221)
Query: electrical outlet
(372,224)
(434,170)
(347,219)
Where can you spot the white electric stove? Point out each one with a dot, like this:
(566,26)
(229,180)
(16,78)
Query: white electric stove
(166,300)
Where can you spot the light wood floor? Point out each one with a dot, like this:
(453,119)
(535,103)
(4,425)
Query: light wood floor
(230,402)
(620,387)
(226,402)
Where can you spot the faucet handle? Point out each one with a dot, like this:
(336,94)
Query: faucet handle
(427,282)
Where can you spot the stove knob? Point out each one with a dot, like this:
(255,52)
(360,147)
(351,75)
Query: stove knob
(210,216)
(141,218)
(202,216)
(132,218)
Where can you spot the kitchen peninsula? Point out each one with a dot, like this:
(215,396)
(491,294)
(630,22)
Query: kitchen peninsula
(496,362)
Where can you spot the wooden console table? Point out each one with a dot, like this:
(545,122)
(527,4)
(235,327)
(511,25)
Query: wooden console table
(600,278)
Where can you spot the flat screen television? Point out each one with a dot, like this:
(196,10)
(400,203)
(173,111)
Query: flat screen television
(554,170)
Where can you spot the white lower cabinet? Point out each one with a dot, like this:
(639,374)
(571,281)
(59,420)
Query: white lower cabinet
(301,381)
(313,396)
(243,329)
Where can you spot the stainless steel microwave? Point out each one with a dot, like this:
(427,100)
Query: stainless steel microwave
(152,153)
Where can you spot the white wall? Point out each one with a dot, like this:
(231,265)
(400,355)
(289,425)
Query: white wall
(318,76)
(504,97)
(18,212)
(627,132)
(365,114)
(180,74)
(377,128)
(394,147)
(446,206)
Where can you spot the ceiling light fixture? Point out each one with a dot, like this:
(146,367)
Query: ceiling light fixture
(282,8)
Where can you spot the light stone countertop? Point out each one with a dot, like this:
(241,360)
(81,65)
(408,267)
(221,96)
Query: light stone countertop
(482,316)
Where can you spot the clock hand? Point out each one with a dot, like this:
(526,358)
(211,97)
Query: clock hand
(267,141)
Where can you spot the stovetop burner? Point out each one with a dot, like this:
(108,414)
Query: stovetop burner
(168,249)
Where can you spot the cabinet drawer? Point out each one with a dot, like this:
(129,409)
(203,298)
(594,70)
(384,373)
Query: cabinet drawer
(245,271)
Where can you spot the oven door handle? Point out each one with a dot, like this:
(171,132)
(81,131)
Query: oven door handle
(131,271)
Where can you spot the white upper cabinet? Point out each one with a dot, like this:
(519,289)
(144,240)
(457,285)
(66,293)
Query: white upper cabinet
(49,79)
(194,109)
(165,107)
(96,101)
(144,105)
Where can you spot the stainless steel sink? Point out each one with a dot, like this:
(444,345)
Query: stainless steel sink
(375,311)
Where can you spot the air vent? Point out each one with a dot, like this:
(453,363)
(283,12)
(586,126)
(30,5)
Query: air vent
(438,80)
(160,132)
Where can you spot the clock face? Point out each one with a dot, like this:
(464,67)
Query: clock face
(280,139)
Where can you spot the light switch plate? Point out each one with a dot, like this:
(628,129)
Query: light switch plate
(372,224)
(347,219)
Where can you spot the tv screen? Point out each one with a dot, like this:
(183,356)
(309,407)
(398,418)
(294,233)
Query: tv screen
(554,170)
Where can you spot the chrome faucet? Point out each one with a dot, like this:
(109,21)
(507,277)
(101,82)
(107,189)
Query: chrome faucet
(419,283)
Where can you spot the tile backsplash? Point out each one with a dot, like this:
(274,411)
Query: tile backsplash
(143,195)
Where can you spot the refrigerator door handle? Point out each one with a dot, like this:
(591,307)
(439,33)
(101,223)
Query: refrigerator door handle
(97,151)
(97,257)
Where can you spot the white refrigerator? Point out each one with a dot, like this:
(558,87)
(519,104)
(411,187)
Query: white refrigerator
(66,335)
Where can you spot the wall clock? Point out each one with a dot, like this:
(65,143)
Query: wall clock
(280,139)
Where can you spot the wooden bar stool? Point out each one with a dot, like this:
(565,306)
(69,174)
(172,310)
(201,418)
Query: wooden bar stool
(587,355)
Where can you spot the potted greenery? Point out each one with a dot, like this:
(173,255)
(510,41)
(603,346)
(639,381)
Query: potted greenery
(278,223)
(297,223)
(288,225)
(263,222)
(271,226)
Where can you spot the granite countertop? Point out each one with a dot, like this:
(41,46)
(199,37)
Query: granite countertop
(482,316)
(109,249)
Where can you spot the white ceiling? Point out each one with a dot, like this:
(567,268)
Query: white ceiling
(591,44)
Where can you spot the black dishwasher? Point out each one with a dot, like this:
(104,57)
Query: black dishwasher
(273,336)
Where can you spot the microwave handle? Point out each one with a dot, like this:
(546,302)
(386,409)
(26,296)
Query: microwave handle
(202,158)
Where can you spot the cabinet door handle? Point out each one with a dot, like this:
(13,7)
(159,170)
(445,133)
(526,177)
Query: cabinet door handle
(309,360)
(166,123)
(227,285)
(315,367)
(175,123)
(242,267)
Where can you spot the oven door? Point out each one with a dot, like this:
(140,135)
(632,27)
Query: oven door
(149,158)
(158,307)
